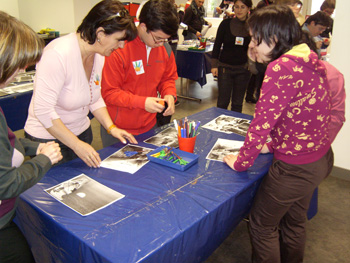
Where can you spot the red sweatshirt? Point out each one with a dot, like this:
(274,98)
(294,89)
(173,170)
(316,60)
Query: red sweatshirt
(128,79)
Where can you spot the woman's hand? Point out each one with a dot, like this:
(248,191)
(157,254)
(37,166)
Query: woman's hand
(230,160)
(265,149)
(214,71)
(88,154)
(319,44)
(122,135)
(51,150)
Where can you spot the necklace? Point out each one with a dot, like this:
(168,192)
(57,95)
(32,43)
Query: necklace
(88,64)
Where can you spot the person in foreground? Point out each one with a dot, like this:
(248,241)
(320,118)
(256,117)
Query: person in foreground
(229,59)
(135,75)
(68,83)
(19,47)
(294,109)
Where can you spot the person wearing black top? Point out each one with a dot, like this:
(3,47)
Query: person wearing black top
(257,69)
(194,19)
(229,64)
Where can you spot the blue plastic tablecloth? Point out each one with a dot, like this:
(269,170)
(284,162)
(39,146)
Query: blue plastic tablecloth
(165,216)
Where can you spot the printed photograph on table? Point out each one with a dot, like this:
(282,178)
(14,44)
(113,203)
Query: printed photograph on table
(168,137)
(229,124)
(84,195)
(224,147)
(129,159)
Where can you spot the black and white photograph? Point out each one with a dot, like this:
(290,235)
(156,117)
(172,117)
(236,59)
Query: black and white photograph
(84,195)
(229,124)
(168,137)
(128,159)
(224,147)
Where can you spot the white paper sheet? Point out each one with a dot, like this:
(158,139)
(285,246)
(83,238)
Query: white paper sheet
(84,195)
(229,124)
(167,137)
(120,160)
(224,147)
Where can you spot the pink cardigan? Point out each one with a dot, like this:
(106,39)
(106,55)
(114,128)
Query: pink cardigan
(62,91)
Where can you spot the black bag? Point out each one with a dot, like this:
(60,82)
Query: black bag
(162,120)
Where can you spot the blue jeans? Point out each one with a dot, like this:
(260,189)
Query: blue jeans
(67,153)
(232,83)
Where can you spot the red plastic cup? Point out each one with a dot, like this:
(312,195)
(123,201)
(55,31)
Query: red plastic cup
(187,144)
(203,42)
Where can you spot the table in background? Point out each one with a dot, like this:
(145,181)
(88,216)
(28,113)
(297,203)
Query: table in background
(194,65)
(166,215)
(15,107)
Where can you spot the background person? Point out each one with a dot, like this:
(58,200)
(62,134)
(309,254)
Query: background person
(19,47)
(315,25)
(68,83)
(328,7)
(229,58)
(194,19)
(296,116)
(133,76)
(256,69)
(225,7)
(295,6)
(264,3)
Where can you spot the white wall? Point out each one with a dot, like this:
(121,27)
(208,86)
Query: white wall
(81,9)
(10,7)
(340,57)
(40,14)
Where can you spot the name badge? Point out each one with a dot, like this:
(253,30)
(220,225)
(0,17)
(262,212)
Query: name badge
(138,67)
(239,41)
(97,81)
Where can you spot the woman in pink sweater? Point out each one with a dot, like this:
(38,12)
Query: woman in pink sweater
(67,84)
(294,109)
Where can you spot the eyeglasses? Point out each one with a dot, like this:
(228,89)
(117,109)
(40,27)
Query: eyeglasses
(121,14)
(159,40)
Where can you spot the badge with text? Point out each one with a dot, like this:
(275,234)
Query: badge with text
(239,41)
(138,66)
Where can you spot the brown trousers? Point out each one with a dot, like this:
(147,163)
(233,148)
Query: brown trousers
(278,216)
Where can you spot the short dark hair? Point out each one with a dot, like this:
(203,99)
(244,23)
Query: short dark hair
(111,16)
(160,15)
(275,24)
(320,18)
(248,3)
(327,4)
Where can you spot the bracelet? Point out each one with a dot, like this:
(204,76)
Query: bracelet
(111,128)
